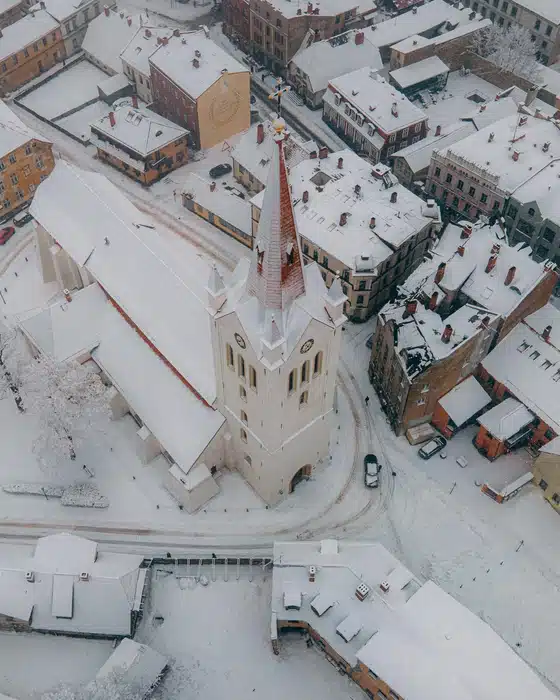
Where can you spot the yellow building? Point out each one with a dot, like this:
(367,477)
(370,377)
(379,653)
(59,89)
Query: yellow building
(546,472)
(26,159)
(197,84)
(139,142)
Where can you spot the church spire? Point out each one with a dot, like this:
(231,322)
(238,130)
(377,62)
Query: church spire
(276,277)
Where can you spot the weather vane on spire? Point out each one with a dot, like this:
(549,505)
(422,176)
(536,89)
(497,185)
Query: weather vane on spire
(281,88)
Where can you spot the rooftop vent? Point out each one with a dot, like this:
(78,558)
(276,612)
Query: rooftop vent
(197,53)
(362,591)
(196,63)
(384,585)
(546,333)
(84,576)
(312,571)
(30,577)
(546,146)
(491,137)
(159,132)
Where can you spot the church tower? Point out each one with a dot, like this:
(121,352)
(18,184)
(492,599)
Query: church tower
(276,332)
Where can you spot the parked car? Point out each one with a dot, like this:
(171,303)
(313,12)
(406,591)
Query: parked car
(432,447)
(371,471)
(219,170)
(6,234)
(22,218)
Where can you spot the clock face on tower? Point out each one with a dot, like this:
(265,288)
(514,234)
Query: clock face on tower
(239,340)
(306,347)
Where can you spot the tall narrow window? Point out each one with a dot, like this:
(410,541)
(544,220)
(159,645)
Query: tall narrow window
(318,363)
(242,393)
(292,379)
(252,378)
(229,355)
(244,417)
(241,366)
(305,372)
(248,461)
(303,398)
(243,435)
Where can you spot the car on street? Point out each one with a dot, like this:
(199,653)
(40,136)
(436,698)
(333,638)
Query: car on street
(22,218)
(371,471)
(219,170)
(6,234)
(435,445)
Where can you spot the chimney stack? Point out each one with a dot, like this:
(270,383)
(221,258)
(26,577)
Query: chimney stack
(164,40)
(485,321)
(438,130)
(461,250)
(357,190)
(67,295)
(340,163)
(490,137)
(515,156)
(394,109)
(121,14)
(147,33)
(343,219)
(491,264)
(446,335)
(411,307)
(495,249)
(195,62)
(439,273)
(467,231)
(305,197)
(106,10)
(394,196)
(432,304)
(323,152)
(260,133)
(129,21)
(546,333)
(359,38)
(309,8)
(312,571)
(510,275)
(135,101)
(212,186)
(313,155)
(112,118)
(372,223)
(176,32)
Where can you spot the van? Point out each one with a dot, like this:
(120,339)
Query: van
(22,218)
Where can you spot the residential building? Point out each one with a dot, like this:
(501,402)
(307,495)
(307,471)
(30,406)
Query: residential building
(139,142)
(311,69)
(360,225)
(10,12)
(429,74)
(372,116)
(452,310)
(546,472)
(540,17)
(477,175)
(135,58)
(137,665)
(73,17)
(252,154)
(462,405)
(29,47)
(107,36)
(26,158)
(356,603)
(506,426)
(279,28)
(69,587)
(196,84)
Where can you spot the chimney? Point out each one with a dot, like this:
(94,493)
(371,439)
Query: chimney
(515,156)
(323,152)
(176,32)
(546,333)
(372,223)
(305,197)
(357,190)
(485,321)
(135,101)
(343,219)
(440,273)
(121,14)
(490,137)
(510,275)
(340,163)
(212,186)
(411,307)
(67,295)
(438,130)
(147,33)
(42,5)
(260,133)
(312,572)
(106,10)
(546,146)
(313,155)
(491,264)
(495,249)
(159,40)
(461,250)
(196,63)
(164,40)
(432,304)
(129,21)
(309,8)
(394,110)
(394,197)
(446,335)
(467,231)
(112,118)
(359,38)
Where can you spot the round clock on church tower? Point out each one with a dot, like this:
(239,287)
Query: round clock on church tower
(240,341)
(306,347)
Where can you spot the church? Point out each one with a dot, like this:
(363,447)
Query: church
(219,370)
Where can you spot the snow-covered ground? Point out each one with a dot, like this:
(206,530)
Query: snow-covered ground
(78,122)
(180,13)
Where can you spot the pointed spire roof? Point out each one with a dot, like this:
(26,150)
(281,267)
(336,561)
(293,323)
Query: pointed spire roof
(335,293)
(276,277)
(215,282)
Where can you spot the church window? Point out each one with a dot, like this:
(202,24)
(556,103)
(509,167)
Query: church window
(292,380)
(242,393)
(305,372)
(303,398)
(241,366)
(252,378)
(244,417)
(248,461)
(229,355)
(318,363)
(243,435)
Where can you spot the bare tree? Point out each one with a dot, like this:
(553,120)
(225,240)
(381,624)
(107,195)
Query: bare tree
(510,49)
(12,360)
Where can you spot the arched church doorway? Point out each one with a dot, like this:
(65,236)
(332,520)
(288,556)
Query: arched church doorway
(300,475)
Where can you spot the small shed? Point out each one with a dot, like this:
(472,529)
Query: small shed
(459,406)
(504,427)
(192,489)
(429,74)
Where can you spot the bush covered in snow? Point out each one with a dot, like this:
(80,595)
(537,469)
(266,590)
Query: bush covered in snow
(35,489)
(84,495)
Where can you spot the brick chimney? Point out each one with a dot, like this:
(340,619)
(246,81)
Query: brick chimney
(106,10)
(394,196)
(510,275)
(135,101)
(313,155)
(212,186)
(357,190)
(372,223)
(440,273)
(515,156)
(461,250)
(495,249)
(343,219)
(260,133)
(147,33)
(432,304)
(411,307)
(485,321)
(195,62)
(112,118)
(340,163)
(67,295)
(467,231)
(546,333)
(305,197)
(438,130)
(359,38)
(491,264)
(164,40)
(129,21)
(446,335)
(323,152)
(176,32)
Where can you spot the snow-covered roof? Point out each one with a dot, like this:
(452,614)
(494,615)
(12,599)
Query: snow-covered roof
(64,554)
(25,31)
(6,5)
(107,36)
(418,155)
(368,92)
(462,30)
(550,11)
(227,205)
(529,366)
(62,9)
(325,60)
(140,130)
(142,45)
(255,157)
(417,72)
(113,84)
(552,447)
(411,43)
(13,132)
(326,8)
(175,60)
(543,188)
(138,665)
(506,419)
(464,400)
(165,296)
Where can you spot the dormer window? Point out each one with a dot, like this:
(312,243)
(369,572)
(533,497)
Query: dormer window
(290,254)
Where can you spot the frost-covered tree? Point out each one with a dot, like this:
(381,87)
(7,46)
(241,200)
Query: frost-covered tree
(71,403)
(511,49)
(114,686)
(13,357)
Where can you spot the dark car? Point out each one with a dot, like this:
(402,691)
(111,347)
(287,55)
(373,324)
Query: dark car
(24,217)
(371,471)
(219,170)
(432,447)
(6,234)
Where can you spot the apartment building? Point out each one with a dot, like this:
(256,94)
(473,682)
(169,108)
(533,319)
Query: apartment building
(360,224)
(29,47)
(106,37)
(546,472)
(135,58)
(10,12)
(477,175)
(372,116)
(198,85)
(26,159)
(139,142)
(448,315)
(279,28)
(540,17)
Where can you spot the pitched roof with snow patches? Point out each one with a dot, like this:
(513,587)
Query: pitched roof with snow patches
(26,31)
(13,132)
(107,37)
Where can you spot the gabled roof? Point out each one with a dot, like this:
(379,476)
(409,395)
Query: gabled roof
(25,31)
(142,45)
(13,132)
(506,419)
(138,665)
(107,36)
